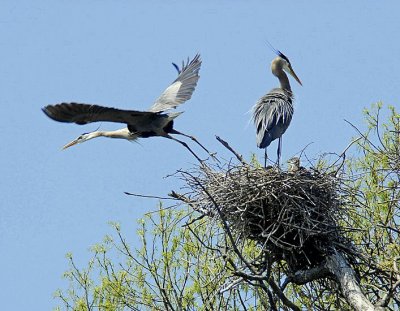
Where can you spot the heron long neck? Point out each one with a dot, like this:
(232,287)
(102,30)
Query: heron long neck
(122,133)
(284,80)
(277,70)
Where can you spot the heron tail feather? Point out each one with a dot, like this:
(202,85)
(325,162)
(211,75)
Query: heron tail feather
(173,115)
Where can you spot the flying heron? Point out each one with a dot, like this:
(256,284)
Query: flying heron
(273,112)
(140,124)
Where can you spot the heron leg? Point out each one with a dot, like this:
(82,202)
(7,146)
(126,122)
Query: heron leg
(279,150)
(186,146)
(194,139)
(265,157)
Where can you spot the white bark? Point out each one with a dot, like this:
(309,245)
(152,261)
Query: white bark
(346,277)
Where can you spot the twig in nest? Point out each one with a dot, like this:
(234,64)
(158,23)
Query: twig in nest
(293,215)
(148,196)
(175,195)
(226,145)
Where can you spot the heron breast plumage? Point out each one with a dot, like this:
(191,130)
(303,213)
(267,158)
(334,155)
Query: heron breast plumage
(272,115)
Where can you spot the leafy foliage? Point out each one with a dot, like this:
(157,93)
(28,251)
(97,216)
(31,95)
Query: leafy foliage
(175,269)
(189,262)
(374,193)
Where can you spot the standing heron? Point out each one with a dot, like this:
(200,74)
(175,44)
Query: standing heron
(273,112)
(140,124)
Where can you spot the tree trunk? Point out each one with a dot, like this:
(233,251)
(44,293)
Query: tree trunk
(350,288)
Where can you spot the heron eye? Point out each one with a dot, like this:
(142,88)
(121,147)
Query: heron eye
(83,136)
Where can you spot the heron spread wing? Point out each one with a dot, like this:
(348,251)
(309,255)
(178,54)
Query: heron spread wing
(84,113)
(272,116)
(182,88)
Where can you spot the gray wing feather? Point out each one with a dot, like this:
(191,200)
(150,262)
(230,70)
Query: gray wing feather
(182,88)
(84,113)
(272,115)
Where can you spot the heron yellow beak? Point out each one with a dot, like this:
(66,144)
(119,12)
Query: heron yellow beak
(293,74)
(70,144)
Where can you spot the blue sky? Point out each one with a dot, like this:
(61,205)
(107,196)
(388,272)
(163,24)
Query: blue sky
(119,53)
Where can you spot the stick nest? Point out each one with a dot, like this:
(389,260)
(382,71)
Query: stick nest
(293,215)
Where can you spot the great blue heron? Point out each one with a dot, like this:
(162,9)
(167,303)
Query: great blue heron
(140,124)
(273,112)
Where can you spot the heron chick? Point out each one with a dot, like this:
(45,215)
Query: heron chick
(140,124)
(273,112)
(293,165)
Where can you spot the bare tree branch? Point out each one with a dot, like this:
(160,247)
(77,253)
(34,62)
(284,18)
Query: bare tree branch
(304,276)
(346,277)
(226,145)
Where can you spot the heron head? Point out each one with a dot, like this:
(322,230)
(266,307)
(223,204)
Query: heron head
(282,62)
(81,139)
(293,164)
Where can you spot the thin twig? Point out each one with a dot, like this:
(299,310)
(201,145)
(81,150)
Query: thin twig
(226,145)
(148,196)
